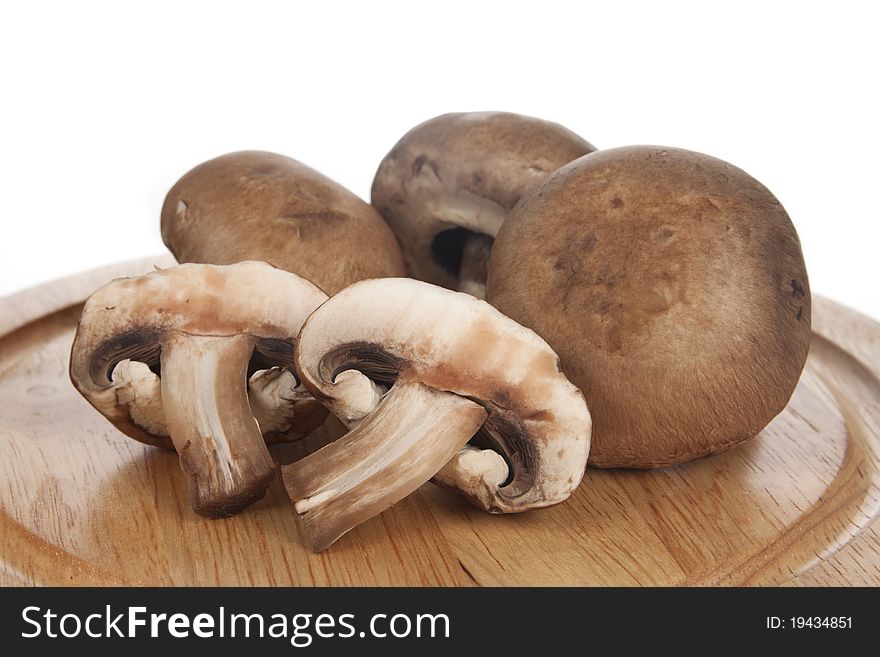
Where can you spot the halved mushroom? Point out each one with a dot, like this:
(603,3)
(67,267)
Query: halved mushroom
(254,205)
(448,184)
(673,288)
(417,372)
(166,358)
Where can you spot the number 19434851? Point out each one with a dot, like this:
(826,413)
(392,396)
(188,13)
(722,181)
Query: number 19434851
(809,622)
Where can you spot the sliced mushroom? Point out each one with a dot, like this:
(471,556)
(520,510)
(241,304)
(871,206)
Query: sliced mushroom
(254,205)
(673,288)
(418,371)
(166,356)
(448,184)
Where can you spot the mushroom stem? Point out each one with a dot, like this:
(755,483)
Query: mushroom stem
(474,267)
(272,394)
(221,449)
(411,435)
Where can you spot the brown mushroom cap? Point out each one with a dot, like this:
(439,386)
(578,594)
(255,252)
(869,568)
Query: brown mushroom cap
(166,358)
(455,366)
(673,288)
(458,175)
(254,205)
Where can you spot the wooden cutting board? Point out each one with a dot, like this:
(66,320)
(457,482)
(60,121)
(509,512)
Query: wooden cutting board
(82,504)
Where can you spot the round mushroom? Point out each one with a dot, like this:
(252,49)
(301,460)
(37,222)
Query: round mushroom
(254,205)
(673,288)
(166,358)
(423,372)
(449,183)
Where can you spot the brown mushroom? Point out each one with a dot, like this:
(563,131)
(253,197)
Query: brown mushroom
(673,288)
(166,358)
(449,183)
(422,372)
(254,205)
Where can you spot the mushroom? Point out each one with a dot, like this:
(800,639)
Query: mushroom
(673,288)
(166,357)
(422,372)
(254,205)
(449,183)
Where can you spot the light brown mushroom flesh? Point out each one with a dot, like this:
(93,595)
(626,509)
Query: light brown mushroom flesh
(166,358)
(417,372)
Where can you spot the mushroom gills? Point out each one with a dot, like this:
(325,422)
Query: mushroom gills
(465,254)
(474,268)
(199,358)
(500,445)
(209,419)
(275,394)
(413,432)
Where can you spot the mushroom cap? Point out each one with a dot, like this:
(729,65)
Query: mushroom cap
(460,173)
(673,288)
(453,342)
(254,205)
(125,318)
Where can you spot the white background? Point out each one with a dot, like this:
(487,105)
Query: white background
(105,105)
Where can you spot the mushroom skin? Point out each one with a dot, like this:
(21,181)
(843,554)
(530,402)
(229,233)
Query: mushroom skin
(448,185)
(165,357)
(672,286)
(255,205)
(421,372)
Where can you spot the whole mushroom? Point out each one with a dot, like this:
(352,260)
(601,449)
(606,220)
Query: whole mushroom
(254,205)
(447,186)
(673,288)
(418,376)
(199,358)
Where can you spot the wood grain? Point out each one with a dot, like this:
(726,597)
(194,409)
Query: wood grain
(82,504)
